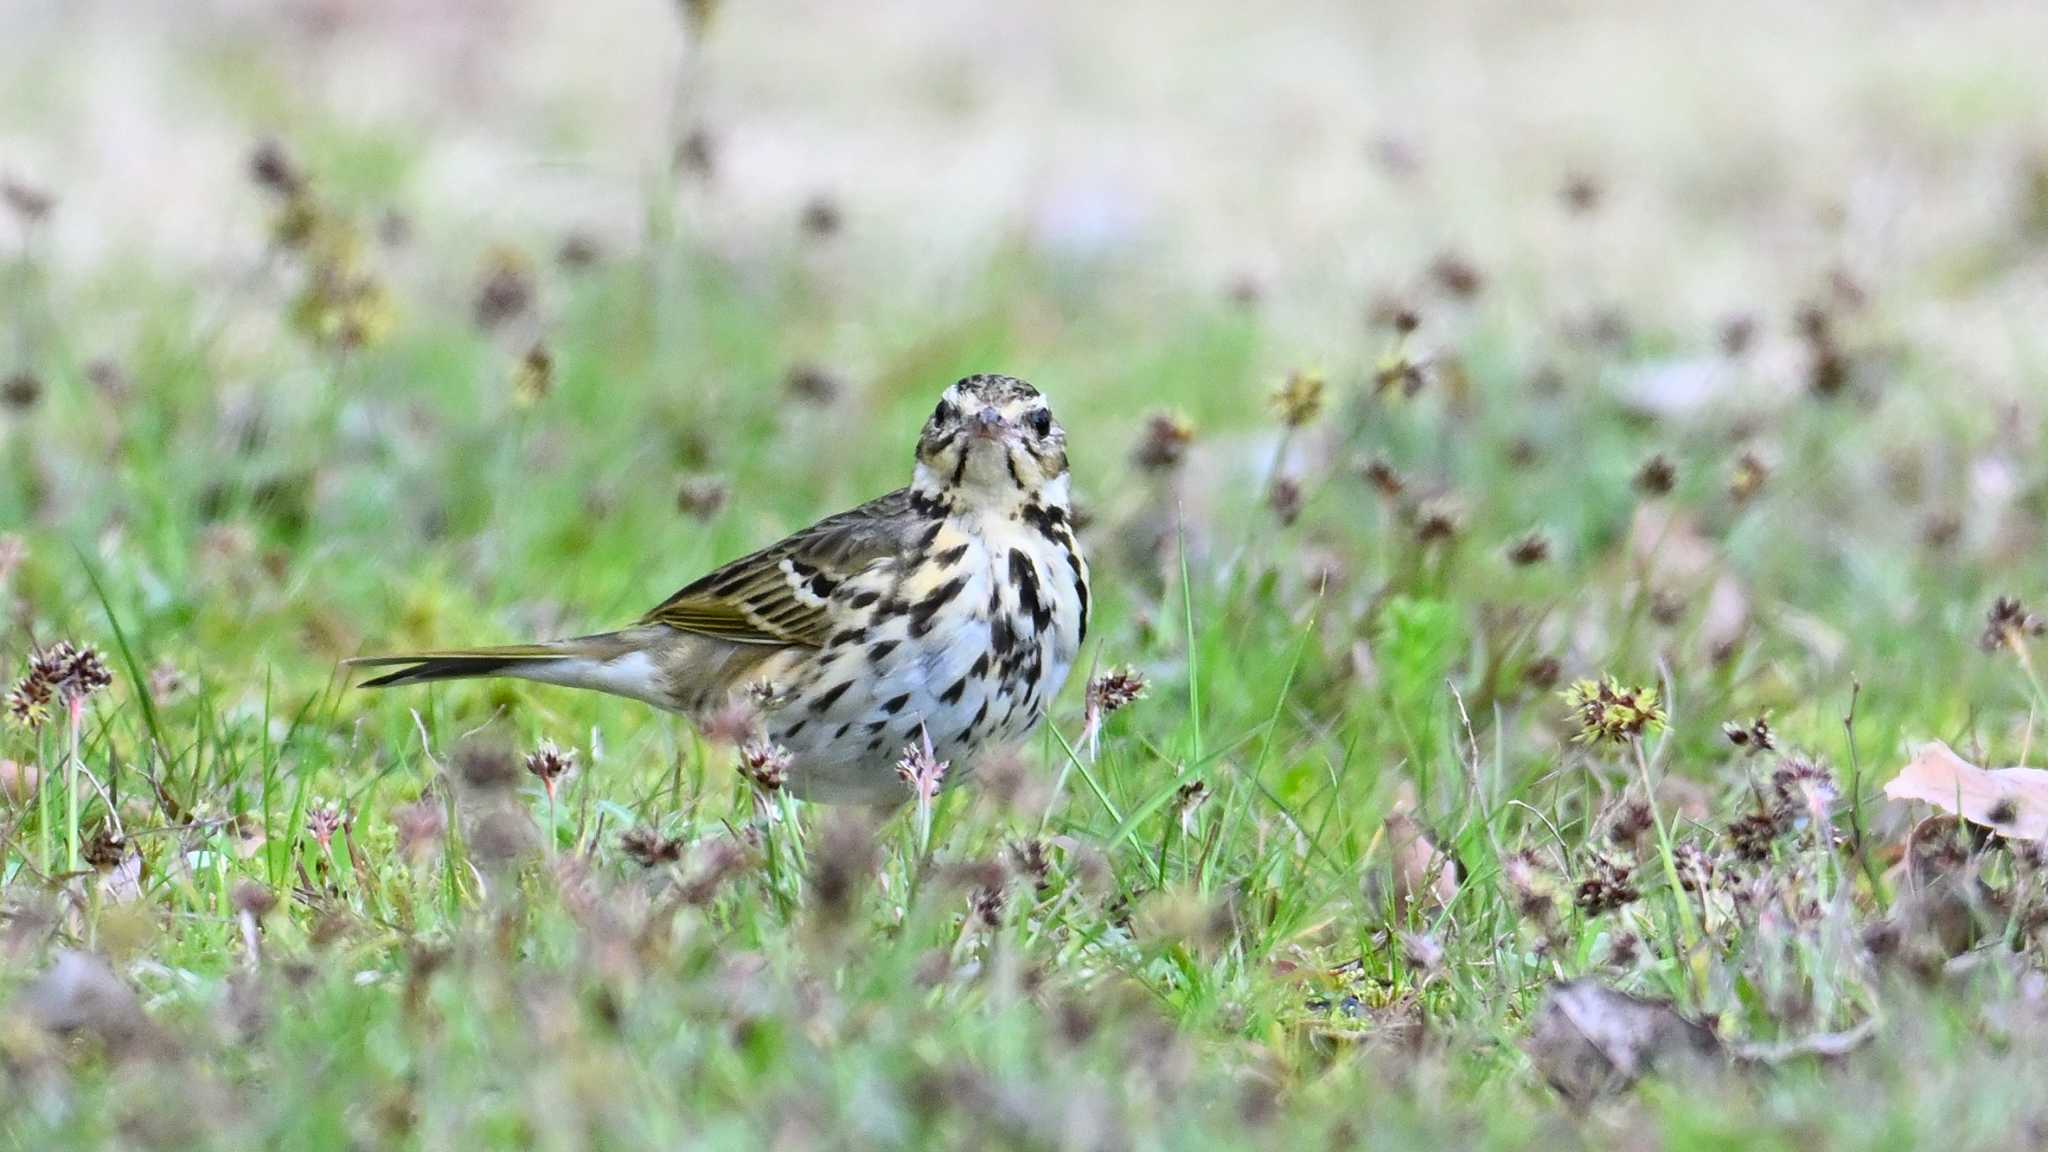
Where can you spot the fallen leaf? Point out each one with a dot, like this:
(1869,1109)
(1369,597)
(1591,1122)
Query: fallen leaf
(1420,872)
(2012,802)
(1591,1041)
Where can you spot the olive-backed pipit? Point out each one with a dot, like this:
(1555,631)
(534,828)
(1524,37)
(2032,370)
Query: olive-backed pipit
(951,610)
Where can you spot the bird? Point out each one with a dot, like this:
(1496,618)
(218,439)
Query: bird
(944,615)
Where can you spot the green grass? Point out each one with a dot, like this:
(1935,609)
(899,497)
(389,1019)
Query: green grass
(1193,937)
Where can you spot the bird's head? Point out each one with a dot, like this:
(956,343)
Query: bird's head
(992,443)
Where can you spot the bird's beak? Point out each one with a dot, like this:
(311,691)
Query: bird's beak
(987,424)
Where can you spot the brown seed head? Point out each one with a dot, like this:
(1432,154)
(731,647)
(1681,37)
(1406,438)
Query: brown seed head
(765,765)
(21,391)
(702,497)
(1164,443)
(1656,477)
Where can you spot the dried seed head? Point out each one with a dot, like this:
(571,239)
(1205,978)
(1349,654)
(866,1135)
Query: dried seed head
(1802,787)
(533,378)
(1530,550)
(31,205)
(66,672)
(579,252)
(1384,479)
(104,849)
(28,704)
(646,846)
(273,170)
(1457,276)
(1698,870)
(1754,737)
(505,288)
(765,765)
(812,384)
(1437,521)
(252,899)
(1164,444)
(21,391)
(1738,333)
(1284,499)
(1752,835)
(821,218)
(2009,625)
(1533,888)
(1748,477)
(1299,399)
(1031,859)
(697,153)
(549,764)
(1396,313)
(421,827)
(1110,691)
(1581,193)
(1399,371)
(1607,884)
(921,769)
(1629,822)
(1611,713)
(322,823)
(702,497)
(1656,477)
(1187,802)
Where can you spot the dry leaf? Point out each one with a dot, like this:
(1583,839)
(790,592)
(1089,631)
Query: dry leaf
(1420,872)
(2012,802)
(1591,1041)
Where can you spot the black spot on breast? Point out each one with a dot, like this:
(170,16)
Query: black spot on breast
(921,615)
(831,696)
(1001,639)
(950,556)
(876,726)
(980,714)
(794,729)
(895,704)
(952,695)
(1024,574)
(1080,588)
(881,648)
(843,730)
(863,599)
(846,636)
(980,666)
(1048,521)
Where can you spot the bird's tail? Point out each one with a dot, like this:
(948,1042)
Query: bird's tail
(610,662)
(461,663)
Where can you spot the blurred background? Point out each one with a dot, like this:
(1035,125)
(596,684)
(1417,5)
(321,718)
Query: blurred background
(1735,154)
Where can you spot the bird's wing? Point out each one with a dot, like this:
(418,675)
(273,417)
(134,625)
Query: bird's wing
(783,594)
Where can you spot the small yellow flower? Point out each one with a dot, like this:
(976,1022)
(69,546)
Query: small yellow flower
(1610,713)
(1300,398)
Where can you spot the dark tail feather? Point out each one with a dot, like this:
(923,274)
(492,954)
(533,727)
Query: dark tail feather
(421,667)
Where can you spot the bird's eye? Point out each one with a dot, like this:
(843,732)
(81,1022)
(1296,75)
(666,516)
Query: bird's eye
(1041,421)
(945,413)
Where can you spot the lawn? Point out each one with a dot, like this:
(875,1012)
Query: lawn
(1504,639)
